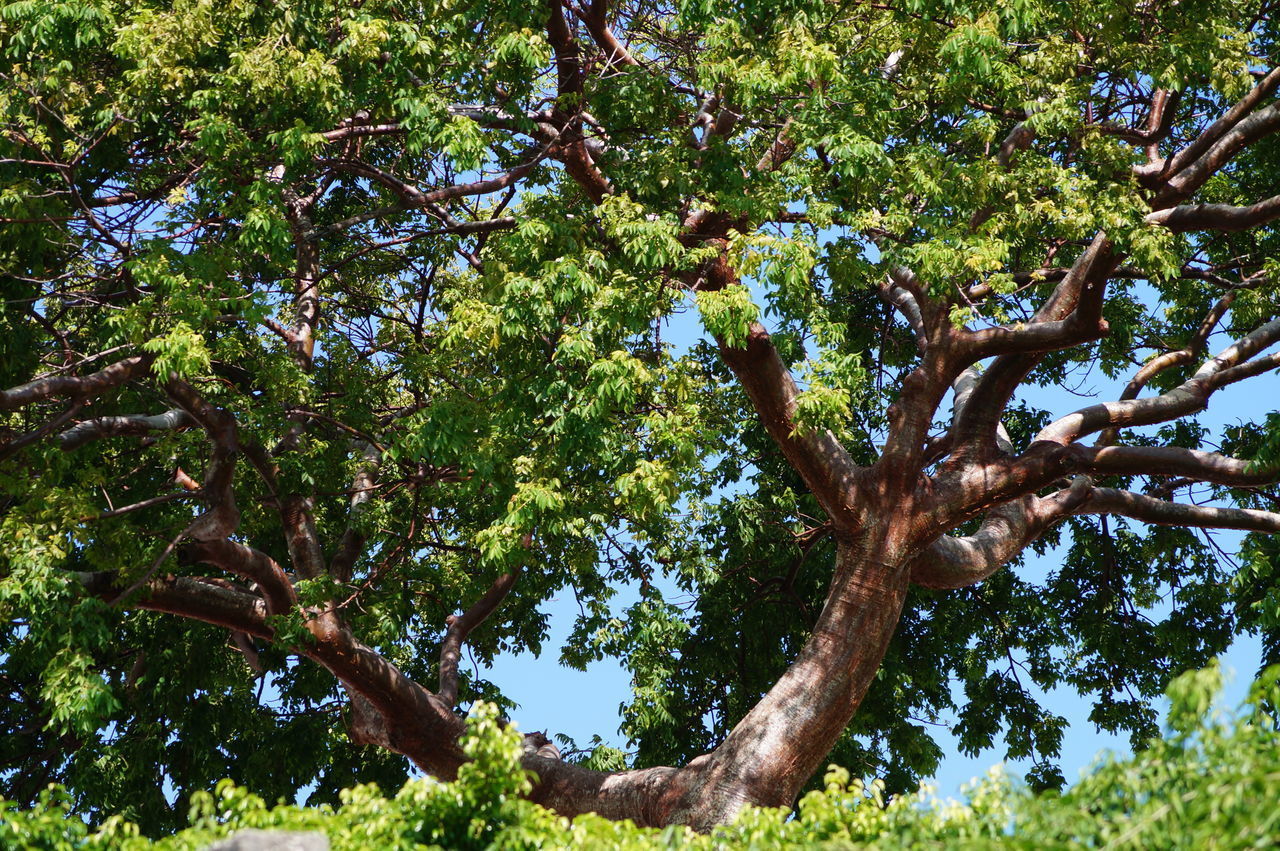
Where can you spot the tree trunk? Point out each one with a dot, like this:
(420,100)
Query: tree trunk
(782,741)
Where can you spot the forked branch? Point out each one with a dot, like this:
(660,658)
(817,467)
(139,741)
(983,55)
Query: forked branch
(461,626)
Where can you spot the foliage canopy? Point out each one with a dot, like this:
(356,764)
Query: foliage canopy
(338,342)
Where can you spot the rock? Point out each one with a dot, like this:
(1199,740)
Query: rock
(272,840)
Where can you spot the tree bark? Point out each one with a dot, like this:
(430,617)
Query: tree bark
(782,741)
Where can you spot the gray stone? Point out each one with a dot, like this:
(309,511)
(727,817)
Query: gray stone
(272,840)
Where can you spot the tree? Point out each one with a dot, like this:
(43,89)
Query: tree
(335,346)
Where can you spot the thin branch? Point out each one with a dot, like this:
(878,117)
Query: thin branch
(1169,360)
(460,626)
(222,517)
(1187,398)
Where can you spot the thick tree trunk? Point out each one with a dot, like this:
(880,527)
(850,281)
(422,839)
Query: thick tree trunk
(782,741)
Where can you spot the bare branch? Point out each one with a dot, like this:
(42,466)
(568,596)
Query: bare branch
(899,292)
(339,134)
(420,199)
(1071,315)
(595,18)
(1148,509)
(1169,360)
(77,387)
(1213,132)
(1187,398)
(1219,217)
(190,597)
(1175,461)
(305,553)
(1194,174)
(951,562)
(131,425)
(10,447)
(460,626)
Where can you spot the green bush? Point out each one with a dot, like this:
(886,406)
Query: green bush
(1211,782)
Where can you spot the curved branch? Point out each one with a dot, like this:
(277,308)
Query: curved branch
(414,722)
(1148,509)
(1072,315)
(1080,293)
(951,562)
(1219,217)
(1213,132)
(1193,175)
(899,291)
(460,626)
(131,425)
(597,25)
(249,564)
(78,387)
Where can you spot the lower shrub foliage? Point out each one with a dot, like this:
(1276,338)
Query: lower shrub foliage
(1212,781)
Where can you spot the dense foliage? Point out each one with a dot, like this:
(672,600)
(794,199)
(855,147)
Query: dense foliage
(1208,783)
(339,339)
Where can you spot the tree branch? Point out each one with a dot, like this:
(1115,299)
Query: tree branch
(1193,175)
(250,564)
(189,597)
(460,626)
(305,553)
(1154,171)
(825,465)
(1148,509)
(1169,360)
(78,387)
(1175,461)
(131,425)
(951,562)
(596,19)
(1072,314)
(222,517)
(1187,398)
(1218,217)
